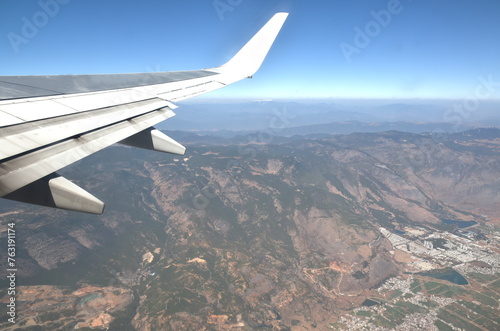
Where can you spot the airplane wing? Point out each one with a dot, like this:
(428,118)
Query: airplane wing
(49,122)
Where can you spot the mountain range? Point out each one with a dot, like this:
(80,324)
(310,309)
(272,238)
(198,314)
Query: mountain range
(277,233)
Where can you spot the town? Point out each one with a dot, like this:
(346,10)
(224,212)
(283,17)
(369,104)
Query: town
(450,282)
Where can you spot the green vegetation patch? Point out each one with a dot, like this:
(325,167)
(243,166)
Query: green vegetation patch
(415,286)
(447,291)
(485,299)
(364,313)
(491,294)
(394,315)
(495,284)
(438,289)
(430,285)
(442,326)
(429,303)
(395,294)
(411,308)
(482,278)
(482,310)
(382,321)
(462,311)
(456,320)
(486,323)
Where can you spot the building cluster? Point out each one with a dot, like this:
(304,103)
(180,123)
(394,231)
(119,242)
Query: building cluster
(453,251)
(465,251)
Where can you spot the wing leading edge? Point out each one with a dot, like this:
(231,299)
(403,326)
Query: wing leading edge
(49,122)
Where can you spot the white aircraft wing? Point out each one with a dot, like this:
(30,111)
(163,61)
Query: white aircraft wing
(49,122)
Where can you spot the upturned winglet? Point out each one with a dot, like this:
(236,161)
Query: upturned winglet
(249,58)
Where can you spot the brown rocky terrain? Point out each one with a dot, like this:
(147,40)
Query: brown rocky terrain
(277,236)
(56,307)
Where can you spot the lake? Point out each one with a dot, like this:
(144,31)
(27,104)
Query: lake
(460,224)
(369,303)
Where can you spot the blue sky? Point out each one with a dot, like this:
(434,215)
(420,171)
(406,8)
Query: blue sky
(406,49)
